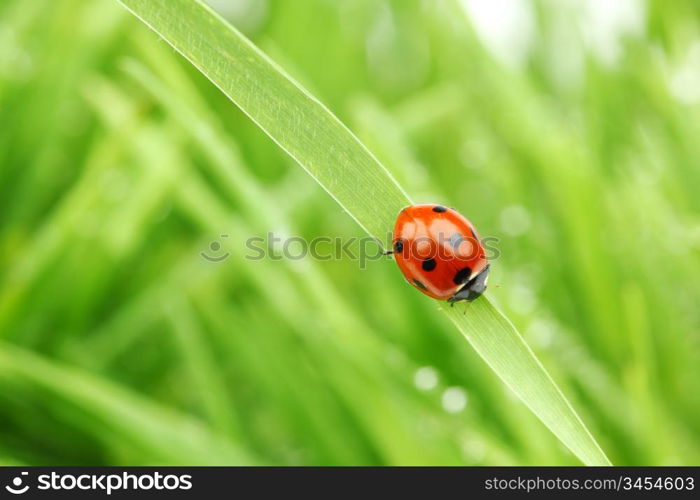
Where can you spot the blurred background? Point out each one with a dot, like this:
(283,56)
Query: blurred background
(567,129)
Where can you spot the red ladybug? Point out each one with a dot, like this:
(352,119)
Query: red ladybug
(440,253)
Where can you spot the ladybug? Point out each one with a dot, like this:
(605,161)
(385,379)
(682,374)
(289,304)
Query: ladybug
(440,253)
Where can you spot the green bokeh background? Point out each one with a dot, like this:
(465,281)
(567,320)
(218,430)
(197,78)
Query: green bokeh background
(567,130)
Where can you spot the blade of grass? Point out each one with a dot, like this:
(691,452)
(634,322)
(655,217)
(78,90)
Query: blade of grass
(335,158)
(295,120)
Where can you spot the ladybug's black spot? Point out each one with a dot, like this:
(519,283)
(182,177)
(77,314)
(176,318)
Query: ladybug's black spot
(429,264)
(419,285)
(462,276)
(398,246)
(439,209)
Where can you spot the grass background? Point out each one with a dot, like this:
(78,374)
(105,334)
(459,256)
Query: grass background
(569,133)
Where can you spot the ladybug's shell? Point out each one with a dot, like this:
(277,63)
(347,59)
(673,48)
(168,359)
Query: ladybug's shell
(437,249)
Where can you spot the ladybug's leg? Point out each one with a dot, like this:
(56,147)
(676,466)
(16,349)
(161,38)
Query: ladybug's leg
(388,252)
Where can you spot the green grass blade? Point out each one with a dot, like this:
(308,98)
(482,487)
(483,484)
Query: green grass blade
(497,341)
(295,120)
(336,159)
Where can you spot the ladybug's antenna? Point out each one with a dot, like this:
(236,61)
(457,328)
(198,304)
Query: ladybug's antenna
(388,252)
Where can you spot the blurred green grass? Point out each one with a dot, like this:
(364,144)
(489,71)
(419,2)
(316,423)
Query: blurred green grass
(120,164)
